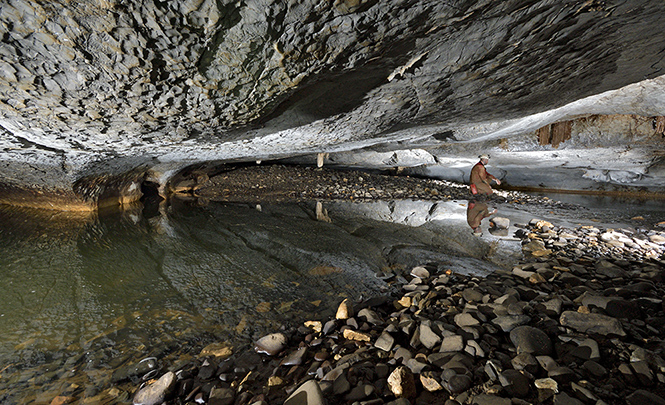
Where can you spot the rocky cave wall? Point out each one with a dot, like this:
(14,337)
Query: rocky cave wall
(97,96)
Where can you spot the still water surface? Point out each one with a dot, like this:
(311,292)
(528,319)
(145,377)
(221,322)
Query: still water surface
(85,295)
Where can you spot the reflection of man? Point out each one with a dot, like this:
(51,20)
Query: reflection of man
(480,178)
(475,213)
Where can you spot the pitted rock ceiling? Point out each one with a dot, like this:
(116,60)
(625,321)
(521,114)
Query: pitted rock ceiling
(97,94)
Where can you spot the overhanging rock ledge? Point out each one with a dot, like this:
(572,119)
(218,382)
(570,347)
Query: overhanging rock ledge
(98,97)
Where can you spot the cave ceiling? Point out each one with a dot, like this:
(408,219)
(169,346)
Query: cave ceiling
(100,88)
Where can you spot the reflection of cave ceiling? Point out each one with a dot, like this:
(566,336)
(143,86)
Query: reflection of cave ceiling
(99,88)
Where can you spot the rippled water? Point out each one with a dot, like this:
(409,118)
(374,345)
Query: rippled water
(86,295)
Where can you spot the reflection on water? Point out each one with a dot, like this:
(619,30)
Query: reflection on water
(86,294)
(475,213)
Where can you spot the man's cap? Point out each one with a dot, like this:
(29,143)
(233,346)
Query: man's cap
(484,156)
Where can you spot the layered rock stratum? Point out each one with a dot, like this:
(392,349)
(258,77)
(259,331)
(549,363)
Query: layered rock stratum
(99,97)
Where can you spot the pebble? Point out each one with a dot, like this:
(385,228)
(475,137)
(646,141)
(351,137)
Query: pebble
(156,392)
(271,344)
(528,339)
(580,321)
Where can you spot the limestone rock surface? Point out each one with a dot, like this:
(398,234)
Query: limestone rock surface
(97,98)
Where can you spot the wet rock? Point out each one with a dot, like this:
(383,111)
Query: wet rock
(309,393)
(157,392)
(271,344)
(140,369)
(221,396)
(469,335)
(220,350)
(500,223)
(207,370)
(370,316)
(294,358)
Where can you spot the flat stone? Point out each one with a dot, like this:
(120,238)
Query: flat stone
(428,338)
(657,239)
(473,349)
(309,393)
(370,316)
(271,344)
(528,339)
(643,397)
(610,270)
(596,369)
(356,335)
(415,365)
(587,350)
(488,399)
(453,343)
(420,272)
(157,392)
(466,319)
(402,383)
(359,393)
(562,375)
(500,223)
(472,295)
(620,308)
(385,342)
(295,358)
(643,372)
(551,307)
(592,323)
(221,396)
(565,399)
(510,322)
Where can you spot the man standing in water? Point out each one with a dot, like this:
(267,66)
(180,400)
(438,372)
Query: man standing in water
(480,179)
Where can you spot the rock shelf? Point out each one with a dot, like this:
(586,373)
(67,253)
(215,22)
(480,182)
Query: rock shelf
(580,320)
